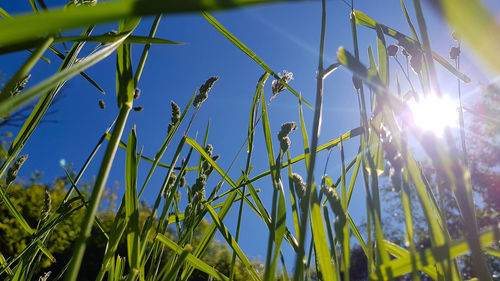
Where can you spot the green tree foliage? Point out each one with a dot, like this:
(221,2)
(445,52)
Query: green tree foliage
(30,199)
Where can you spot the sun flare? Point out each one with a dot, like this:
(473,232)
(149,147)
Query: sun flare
(434,114)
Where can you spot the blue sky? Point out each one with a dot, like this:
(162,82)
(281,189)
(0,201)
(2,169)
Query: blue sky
(285,36)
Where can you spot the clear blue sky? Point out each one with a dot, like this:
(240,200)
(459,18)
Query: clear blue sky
(285,36)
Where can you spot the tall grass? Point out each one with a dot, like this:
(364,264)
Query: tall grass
(318,205)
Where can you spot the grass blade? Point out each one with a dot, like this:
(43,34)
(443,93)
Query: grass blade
(248,52)
(194,261)
(131,204)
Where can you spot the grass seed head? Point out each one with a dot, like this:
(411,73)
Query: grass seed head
(176,113)
(14,169)
(392,50)
(20,85)
(277,85)
(138,108)
(454,53)
(47,202)
(299,185)
(283,135)
(137,93)
(204,89)
(102,104)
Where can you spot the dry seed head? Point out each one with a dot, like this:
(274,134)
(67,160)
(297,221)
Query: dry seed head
(392,50)
(204,89)
(14,169)
(137,93)
(102,104)
(209,149)
(454,53)
(357,82)
(277,85)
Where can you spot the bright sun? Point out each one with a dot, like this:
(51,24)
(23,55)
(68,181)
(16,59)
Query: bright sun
(433,114)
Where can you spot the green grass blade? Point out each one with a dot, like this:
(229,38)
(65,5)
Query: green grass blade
(33,26)
(107,39)
(434,255)
(83,74)
(365,20)
(131,202)
(229,239)
(320,242)
(145,51)
(400,252)
(408,20)
(17,101)
(383,59)
(194,261)
(249,52)
(348,135)
(24,70)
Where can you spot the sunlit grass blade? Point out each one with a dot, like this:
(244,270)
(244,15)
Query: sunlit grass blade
(320,242)
(478,28)
(145,50)
(408,20)
(400,252)
(111,38)
(5,266)
(431,256)
(229,239)
(194,261)
(249,52)
(365,20)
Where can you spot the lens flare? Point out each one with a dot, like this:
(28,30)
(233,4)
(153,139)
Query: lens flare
(434,114)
